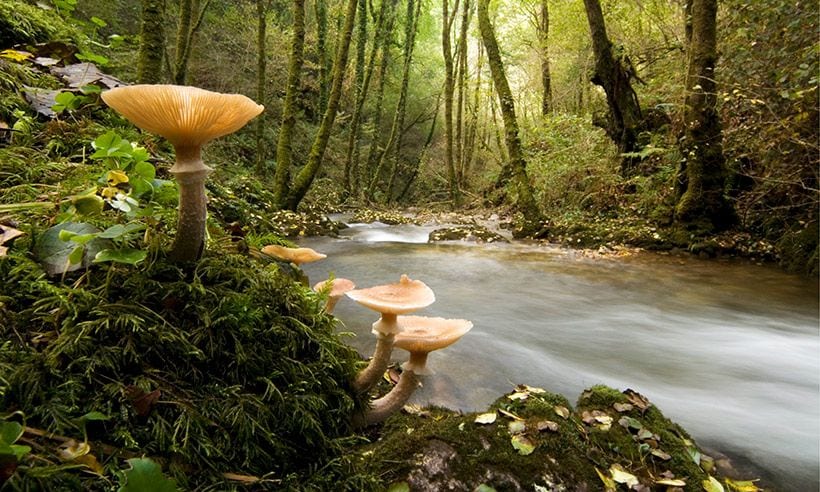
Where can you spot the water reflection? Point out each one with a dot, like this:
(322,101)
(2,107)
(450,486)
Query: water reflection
(731,351)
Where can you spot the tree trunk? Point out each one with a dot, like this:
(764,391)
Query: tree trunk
(460,145)
(152,42)
(702,204)
(320,8)
(449,89)
(423,152)
(261,81)
(362,80)
(285,138)
(613,75)
(305,178)
(543,41)
(375,153)
(531,220)
(187,27)
(413,14)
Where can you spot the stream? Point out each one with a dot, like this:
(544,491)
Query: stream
(728,349)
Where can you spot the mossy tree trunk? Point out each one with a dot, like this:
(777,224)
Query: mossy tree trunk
(449,90)
(376,149)
(305,178)
(284,141)
(152,42)
(352,154)
(261,81)
(413,14)
(191,15)
(460,144)
(472,127)
(320,9)
(702,204)
(614,76)
(525,200)
(543,45)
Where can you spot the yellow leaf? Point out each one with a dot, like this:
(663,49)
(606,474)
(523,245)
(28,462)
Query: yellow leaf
(712,485)
(745,486)
(486,418)
(14,55)
(563,412)
(115,177)
(609,484)
(622,476)
(74,450)
(672,482)
(91,462)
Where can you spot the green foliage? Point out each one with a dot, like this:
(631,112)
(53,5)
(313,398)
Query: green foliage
(145,476)
(252,377)
(22,23)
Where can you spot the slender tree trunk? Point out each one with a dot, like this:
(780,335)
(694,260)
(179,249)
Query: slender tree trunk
(413,14)
(152,42)
(623,123)
(261,81)
(376,151)
(320,8)
(703,205)
(305,178)
(449,89)
(285,138)
(462,77)
(543,41)
(359,96)
(470,141)
(531,221)
(423,152)
(190,20)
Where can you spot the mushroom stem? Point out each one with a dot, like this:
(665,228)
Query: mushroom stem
(190,174)
(390,403)
(370,375)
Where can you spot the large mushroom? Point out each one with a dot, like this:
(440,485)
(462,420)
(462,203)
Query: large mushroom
(297,256)
(189,118)
(390,300)
(419,335)
(337,288)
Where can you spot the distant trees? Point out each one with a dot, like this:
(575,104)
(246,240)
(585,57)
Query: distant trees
(152,42)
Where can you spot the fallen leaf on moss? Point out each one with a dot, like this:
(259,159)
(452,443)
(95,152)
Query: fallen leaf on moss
(562,412)
(629,422)
(744,486)
(712,485)
(609,484)
(516,427)
(236,477)
(622,476)
(672,482)
(518,395)
(622,407)
(486,418)
(659,453)
(549,425)
(509,414)
(522,444)
(637,399)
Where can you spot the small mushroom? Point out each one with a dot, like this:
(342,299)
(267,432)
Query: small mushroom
(189,118)
(338,288)
(297,256)
(418,335)
(390,300)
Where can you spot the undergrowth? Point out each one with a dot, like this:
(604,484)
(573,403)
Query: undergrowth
(247,373)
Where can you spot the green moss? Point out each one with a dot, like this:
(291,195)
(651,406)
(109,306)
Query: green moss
(800,249)
(22,23)
(252,377)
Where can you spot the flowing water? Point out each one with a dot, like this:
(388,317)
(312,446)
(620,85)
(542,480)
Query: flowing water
(730,350)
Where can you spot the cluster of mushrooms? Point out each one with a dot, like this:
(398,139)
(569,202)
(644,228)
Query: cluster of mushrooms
(189,117)
(418,335)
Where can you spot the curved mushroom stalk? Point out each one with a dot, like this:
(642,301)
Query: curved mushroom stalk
(370,375)
(337,288)
(390,403)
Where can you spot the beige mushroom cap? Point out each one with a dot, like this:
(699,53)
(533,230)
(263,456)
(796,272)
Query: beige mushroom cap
(426,334)
(186,116)
(338,286)
(293,255)
(402,297)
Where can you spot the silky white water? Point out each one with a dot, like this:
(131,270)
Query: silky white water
(730,350)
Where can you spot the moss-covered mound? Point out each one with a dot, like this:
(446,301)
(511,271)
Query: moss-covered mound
(22,23)
(473,233)
(228,367)
(533,440)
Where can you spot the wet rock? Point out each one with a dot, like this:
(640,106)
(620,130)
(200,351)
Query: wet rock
(385,217)
(474,233)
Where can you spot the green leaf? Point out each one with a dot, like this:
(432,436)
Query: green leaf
(399,487)
(94,416)
(146,476)
(129,256)
(145,170)
(76,255)
(93,58)
(16,450)
(99,22)
(522,444)
(53,253)
(485,488)
(742,486)
(119,230)
(90,89)
(10,432)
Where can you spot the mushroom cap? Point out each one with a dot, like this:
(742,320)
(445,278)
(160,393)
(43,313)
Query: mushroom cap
(293,255)
(186,116)
(338,286)
(424,334)
(402,297)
